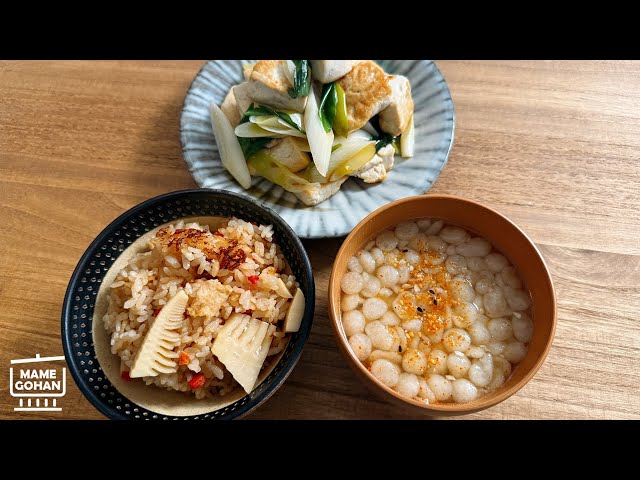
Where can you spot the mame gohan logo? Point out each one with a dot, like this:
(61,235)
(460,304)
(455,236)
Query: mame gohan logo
(37,388)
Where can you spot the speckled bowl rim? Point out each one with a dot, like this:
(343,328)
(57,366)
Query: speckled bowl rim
(436,408)
(238,412)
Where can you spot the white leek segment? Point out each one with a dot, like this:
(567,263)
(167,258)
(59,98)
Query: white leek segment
(295,118)
(242,346)
(354,162)
(346,151)
(156,353)
(253,130)
(289,70)
(273,123)
(296,311)
(320,141)
(356,135)
(229,147)
(407,140)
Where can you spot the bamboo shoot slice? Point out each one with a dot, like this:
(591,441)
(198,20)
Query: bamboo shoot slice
(293,320)
(156,353)
(242,346)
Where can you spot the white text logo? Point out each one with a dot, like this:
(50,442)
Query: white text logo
(36,387)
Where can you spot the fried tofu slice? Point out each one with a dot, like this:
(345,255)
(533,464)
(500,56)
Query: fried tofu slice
(269,85)
(395,118)
(327,71)
(230,109)
(320,192)
(372,172)
(210,298)
(288,152)
(387,154)
(243,99)
(367,92)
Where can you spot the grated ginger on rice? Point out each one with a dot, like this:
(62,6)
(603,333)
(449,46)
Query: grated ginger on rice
(219,271)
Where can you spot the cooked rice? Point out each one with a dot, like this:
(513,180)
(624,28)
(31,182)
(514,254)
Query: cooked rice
(152,278)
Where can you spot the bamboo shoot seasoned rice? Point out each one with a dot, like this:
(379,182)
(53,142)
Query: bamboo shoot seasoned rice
(237,269)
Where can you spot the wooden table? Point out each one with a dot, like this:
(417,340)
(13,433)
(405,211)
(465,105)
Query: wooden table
(553,145)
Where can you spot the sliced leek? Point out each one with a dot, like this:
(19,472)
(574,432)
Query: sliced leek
(354,163)
(264,165)
(253,130)
(341,120)
(407,140)
(272,123)
(346,152)
(229,147)
(295,117)
(289,71)
(320,141)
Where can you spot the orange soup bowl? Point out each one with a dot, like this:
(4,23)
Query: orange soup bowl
(507,238)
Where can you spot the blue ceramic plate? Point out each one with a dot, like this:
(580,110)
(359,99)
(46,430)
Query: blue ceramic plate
(434,123)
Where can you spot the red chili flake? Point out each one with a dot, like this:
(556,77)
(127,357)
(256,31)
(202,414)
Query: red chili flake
(254,279)
(125,376)
(248,312)
(197,381)
(218,234)
(184,358)
(156,312)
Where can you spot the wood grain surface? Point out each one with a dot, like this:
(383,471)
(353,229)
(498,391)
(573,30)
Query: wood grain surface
(553,145)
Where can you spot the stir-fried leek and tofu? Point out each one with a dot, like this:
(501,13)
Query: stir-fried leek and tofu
(309,125)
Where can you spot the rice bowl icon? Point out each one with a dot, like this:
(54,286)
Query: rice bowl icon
(37,388)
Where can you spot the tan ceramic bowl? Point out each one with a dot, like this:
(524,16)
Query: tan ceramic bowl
(506,237)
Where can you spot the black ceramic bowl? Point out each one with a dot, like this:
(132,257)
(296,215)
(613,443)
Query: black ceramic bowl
(82,292)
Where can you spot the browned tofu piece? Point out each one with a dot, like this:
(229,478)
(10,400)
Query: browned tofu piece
(395,117)
(241,94)
(376,169)
(317,193)
(367,92)
(230,109)
(287,151)
(327,71)
(269,85)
